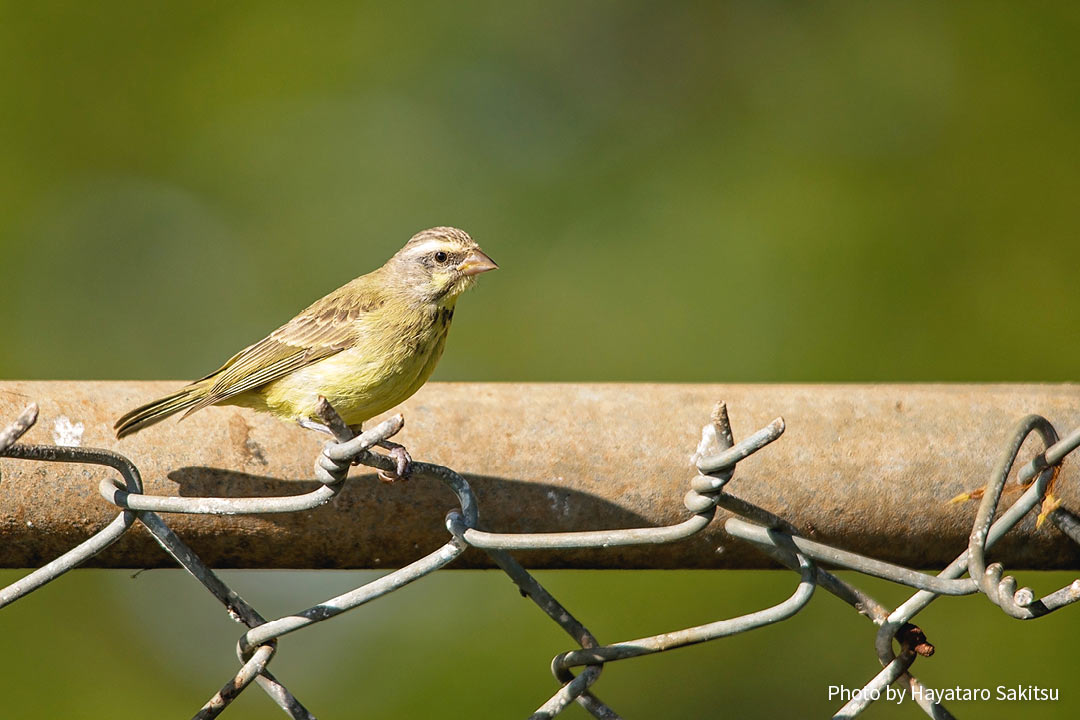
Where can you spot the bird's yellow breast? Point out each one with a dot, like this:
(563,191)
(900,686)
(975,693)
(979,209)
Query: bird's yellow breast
(394,356)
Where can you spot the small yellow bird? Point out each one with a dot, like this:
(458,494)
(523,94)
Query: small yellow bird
(365,347)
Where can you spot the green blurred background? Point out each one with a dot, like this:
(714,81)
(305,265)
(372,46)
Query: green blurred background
(755,191)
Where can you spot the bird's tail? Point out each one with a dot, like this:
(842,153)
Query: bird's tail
(158,410)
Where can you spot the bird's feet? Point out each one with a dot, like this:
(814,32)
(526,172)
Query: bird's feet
(398,453)
(335,427)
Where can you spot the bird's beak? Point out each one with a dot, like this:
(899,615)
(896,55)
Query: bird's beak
(476,263)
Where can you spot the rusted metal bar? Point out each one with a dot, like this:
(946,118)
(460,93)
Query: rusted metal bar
(867,468)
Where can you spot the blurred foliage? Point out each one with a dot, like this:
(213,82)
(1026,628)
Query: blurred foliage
(752,191)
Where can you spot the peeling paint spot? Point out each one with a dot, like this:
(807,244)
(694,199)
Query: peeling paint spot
(708,445)
(67,433)
(560,502)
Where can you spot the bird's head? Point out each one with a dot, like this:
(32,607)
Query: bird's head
(439,264)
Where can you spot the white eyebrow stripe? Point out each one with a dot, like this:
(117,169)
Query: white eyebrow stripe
(426,247)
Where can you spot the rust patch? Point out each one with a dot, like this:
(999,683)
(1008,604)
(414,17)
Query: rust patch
(912,636)
(241,440)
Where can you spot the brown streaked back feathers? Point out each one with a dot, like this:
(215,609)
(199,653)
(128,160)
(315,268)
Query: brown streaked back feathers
(325,328)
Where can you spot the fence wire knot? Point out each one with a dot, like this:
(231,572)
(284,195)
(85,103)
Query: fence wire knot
(716,459)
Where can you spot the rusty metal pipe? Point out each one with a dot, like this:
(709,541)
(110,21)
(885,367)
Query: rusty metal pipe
(867,468)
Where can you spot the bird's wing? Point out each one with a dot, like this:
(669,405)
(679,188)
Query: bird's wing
(324,329)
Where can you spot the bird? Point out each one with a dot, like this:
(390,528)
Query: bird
(366,347)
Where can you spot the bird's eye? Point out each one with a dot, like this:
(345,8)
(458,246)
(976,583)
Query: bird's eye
(440,257)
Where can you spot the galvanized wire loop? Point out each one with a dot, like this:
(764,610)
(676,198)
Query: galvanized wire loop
(92,545)
(999,588)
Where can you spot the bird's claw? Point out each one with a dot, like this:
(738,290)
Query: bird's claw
(402,462)
(309,424)
(398,453)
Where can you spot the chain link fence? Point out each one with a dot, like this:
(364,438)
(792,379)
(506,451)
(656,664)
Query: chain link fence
(897,642)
